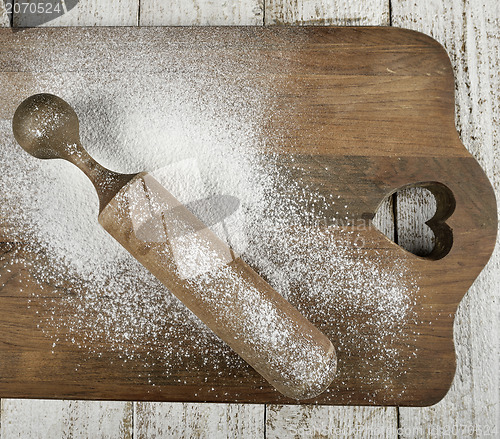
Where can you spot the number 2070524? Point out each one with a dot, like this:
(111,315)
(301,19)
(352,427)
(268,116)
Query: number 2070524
(33,8)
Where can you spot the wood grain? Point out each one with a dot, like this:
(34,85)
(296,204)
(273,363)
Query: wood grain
(299,422)
(4,18)
(469,31)
(201,12)
(384,218)
(331,13)
(178,420)
(151,418)
(328,12)
(366,12)
(58,419)
(47,418)
(320,89)
(85,13)
(415,206)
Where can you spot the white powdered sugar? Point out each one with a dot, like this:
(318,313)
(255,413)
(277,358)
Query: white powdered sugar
(201,136)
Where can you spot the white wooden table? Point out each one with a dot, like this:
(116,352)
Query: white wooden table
(470,31)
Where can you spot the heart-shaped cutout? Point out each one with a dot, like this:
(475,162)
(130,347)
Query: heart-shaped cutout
(414,217)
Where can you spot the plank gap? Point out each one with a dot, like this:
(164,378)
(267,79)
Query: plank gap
(132,420)
(265,421)
(11,15)
(398,423)
(395,216)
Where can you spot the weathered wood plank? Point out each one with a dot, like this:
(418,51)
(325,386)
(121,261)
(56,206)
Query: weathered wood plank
(327,12)
(4,18)
(198,420)
(470,32)
(201,12)
(384,219)
(305,421)
(51,418)
(414,207)
(302,422)
(84,13)
(58,419)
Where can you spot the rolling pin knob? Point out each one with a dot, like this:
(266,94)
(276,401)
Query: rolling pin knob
(189,259)
(47,127)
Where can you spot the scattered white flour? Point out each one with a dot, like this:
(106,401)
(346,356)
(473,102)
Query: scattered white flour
(201,131)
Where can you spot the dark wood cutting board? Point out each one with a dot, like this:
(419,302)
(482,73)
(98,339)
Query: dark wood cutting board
(357,112)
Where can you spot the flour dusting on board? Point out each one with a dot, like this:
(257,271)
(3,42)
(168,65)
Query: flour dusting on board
(200,133)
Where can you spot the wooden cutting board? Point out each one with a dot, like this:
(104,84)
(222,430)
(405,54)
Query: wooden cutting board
(358,113)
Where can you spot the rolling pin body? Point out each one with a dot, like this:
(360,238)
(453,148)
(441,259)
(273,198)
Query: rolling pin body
(220,288)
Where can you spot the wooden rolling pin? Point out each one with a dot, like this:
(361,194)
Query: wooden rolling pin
(193,263)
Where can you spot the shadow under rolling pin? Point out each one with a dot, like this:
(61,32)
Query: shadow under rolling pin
(189,259)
